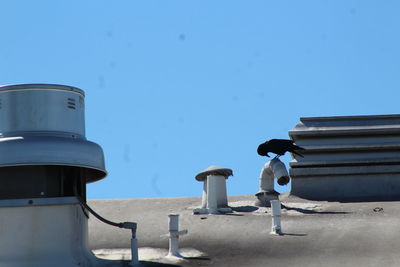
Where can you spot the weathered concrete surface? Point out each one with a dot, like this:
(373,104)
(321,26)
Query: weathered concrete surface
(315,233)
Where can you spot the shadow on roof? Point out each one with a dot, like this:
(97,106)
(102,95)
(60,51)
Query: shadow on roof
(308,211)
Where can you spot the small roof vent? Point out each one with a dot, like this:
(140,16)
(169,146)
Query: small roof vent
(214,170)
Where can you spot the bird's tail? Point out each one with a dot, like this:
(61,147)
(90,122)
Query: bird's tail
(298,148)
(297,153)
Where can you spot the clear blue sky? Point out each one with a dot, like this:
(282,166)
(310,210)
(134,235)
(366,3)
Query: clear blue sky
(175,86)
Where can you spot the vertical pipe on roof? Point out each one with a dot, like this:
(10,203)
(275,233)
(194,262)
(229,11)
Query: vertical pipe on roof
(174,234)
(276,217)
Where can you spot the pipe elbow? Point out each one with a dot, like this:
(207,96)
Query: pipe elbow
(280,172)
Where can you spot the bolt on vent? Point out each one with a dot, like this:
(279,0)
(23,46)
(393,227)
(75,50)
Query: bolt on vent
(71,103)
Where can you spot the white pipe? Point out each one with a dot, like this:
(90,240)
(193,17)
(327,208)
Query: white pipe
(174,237)
(174,234)
(276,217)
(280,171)
(271,169)
(266,178)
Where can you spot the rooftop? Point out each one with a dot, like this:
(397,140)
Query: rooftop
(316,233)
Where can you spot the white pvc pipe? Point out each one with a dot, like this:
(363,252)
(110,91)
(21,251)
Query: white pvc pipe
(174,235)
(276,217)
(270,170)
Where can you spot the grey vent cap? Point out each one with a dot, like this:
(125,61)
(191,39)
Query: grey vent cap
(214,170)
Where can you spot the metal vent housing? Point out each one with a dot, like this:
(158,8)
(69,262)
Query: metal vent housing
(44,124)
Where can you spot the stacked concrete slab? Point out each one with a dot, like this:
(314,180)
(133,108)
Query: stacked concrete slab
(349,158)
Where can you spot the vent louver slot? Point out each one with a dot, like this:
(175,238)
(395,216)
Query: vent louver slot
(71,103)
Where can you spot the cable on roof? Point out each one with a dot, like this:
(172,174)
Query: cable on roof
(125,225)
(95,214)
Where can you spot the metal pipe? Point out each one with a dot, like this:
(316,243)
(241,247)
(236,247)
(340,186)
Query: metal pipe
(280,171)
(204,196)
(214,200)
(271,169)
(134,250)
(266,178)
(213,192)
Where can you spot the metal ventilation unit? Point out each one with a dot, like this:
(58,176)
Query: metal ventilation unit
(45,163)
(347,158)
(43,149)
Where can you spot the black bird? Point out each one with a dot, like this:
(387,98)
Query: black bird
(279,147)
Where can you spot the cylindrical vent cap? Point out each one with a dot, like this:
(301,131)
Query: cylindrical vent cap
(44,124)
(33,108)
